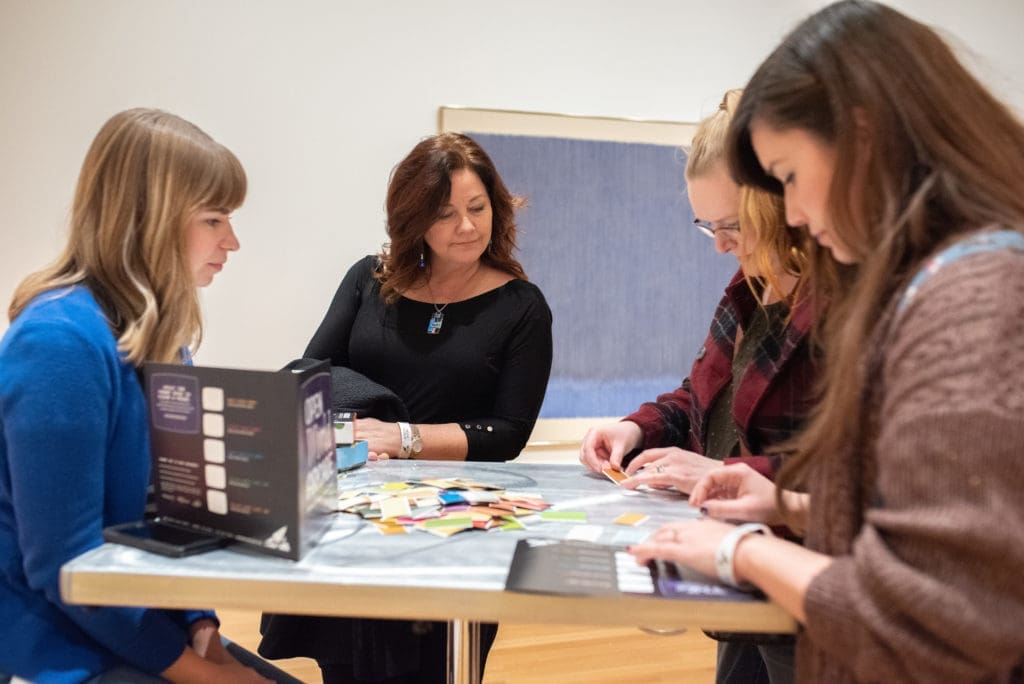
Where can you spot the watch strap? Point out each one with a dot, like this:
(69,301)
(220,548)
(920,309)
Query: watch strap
(416,445)
(406,431)
(725,556)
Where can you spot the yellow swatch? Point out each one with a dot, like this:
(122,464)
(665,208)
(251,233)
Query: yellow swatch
(616,476)
(631,519)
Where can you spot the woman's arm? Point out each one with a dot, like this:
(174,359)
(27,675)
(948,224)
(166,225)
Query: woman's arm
(936,565)
(739,493)
(666,420)
(440,441)
(330,341)
(525,368)
(781,569)
(57,390)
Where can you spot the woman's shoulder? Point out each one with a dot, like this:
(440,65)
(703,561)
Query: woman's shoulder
(984,254)
(366,267)
(525,296)
(361,276)
(72,307)
(970,307)
(524,289)
(61,324)
(968,281)
(959,340)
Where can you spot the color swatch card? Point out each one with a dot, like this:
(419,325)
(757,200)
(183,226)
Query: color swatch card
(631,519)
(616,476)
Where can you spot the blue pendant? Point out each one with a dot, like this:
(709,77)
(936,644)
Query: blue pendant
(435,322)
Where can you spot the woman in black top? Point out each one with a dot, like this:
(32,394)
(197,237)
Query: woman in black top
(473,388)
(445,319)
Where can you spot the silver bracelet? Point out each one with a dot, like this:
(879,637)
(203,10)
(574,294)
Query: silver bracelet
(406,431)
(725,555)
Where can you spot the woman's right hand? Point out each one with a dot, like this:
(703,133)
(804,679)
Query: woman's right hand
(737,492)
(605,445)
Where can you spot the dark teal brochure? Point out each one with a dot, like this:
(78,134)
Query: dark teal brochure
(248,455)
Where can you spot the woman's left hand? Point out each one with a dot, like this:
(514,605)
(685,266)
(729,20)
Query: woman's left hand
(668,467)
(690,542)
(384,439)
(206,642)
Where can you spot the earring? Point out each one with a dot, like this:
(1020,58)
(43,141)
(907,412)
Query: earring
(423,264)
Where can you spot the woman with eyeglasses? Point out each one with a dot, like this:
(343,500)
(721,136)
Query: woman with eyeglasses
(750,385)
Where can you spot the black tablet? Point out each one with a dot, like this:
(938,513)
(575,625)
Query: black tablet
(162,538)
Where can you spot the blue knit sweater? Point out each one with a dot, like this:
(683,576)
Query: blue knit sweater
(74,458)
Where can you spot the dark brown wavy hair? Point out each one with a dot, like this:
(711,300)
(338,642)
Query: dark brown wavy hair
(937,156)
(419,188)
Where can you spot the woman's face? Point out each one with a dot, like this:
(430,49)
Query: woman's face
(462,229)
(209,236)
(804,164)
(715,199)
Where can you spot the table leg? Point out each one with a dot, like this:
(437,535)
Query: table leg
(463,652)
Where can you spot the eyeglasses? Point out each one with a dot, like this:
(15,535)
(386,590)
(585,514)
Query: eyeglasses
(710,229)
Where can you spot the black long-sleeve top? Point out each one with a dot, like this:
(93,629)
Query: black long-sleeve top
(486,369)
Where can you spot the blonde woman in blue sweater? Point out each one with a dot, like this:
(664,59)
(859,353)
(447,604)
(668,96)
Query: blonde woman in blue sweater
(150,224)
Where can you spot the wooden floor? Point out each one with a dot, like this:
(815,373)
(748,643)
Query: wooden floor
(243,627)
(535,654)
(531,654)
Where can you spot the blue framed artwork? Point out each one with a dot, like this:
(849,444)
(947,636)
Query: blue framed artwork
(608,236)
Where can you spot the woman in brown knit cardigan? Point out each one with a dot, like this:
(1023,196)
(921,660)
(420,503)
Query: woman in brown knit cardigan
(897,160)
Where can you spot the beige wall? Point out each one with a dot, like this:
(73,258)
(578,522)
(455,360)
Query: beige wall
(320,98)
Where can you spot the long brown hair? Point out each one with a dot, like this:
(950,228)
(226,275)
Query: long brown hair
(937,155)
(420,187)
(145,174)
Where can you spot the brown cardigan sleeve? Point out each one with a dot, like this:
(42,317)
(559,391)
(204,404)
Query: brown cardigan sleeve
(934,587)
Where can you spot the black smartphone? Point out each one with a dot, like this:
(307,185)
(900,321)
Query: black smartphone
(163,538)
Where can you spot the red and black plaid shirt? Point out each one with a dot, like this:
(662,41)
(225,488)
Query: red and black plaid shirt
(770,400)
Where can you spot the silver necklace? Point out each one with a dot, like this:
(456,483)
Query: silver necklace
(437,318)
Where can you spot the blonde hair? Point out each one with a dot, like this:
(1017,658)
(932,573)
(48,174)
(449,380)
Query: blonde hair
(145,174)
(708,146)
